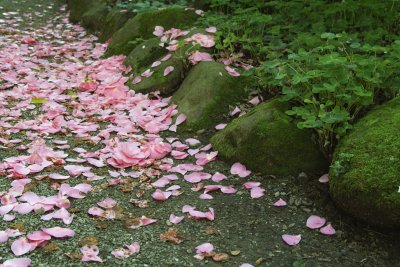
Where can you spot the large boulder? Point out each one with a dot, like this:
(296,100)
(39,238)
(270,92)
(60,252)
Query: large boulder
(115,19)
(79,7)
(145,54)
(206,93)
(267,140)
(142,27)
(94,18)
(365,173)
(158,82)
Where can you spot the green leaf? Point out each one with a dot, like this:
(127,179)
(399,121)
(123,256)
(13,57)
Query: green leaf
(38,101)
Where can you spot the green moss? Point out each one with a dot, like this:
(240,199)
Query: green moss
(79,7)
(158,82)
(94,18)
(145,54)
(267,141)
(205,95)
(115,19)
(369,181)
(142,26)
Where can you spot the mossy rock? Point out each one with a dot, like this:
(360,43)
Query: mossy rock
(206,93)
(142,27)
(79,7)
(145,54)
(365,174)
(115,19)
(94,18)
(158,82)
(267,140)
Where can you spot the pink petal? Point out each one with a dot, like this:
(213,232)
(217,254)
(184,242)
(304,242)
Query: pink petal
(220,126)
(192,141)
(255,101)
(328,230)
(21,246)
(196,177)
(160,195)
(291,240)
(280,203)
(175,219)
(158,31)
(181,118)
(134,248)
(137,80)
(205,248)
(211,29)
(156,64)
(218,177)
(57,176)
(240,169)
(324,178)
(94,211)
(38,236)
(3,236)
(17,262)
(59,232)
(250,185)
(107,203)
(206,196)
(315,222)
(257,192)
(232,71)
(168,70)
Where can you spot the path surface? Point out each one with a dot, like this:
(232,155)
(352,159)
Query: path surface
(43,57)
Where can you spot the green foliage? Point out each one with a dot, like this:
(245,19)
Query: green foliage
(331,59)
(333,82)
(142,6)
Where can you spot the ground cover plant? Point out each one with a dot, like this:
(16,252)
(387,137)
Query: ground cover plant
(332,60)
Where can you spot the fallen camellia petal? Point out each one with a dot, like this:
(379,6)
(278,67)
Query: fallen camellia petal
(315,222)
(280,203)
(196,177)
(160,195)
(232,71)
(324,178)
(239,169)
(291,240)
(250,185)
(220,126)
(205,248)
(21,246)
(17,262)
(328,230)
(59,232)
(107,203)
(175,219)
(257,192)
(168,70)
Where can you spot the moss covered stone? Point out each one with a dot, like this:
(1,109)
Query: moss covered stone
(115,19)
(145,54)
(365,175)
(158,82)
(79,7)
(206,93)
(94,18)
(266,140)
(142,27)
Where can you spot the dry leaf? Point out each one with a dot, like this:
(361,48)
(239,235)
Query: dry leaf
(220,257)
(171,235)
